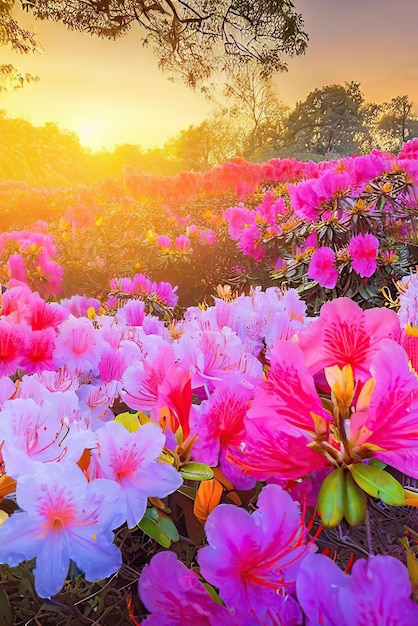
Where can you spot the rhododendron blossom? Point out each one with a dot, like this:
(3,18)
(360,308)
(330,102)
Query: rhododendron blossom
(63,517)
(184,601)
(377,592)
(254,559)
(130,459)
(322,268)
(363,250)
(344,334)
(289,434)
(220,429)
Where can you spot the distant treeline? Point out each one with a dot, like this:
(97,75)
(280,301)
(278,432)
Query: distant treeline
(252,122)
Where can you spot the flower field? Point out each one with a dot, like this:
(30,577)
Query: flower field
(209,397)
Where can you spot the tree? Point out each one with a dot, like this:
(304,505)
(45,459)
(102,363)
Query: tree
(397,122)
(253,100)
(19,39)
(191,37)
(329,121)
(214,141)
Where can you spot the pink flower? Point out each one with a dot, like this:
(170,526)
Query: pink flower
(112,365)
(254,559)
(12,341)
(141,382)
(238,218)
(182,243)
(344,334)
(322,268)
(130,459)
(388,426)
(377,592)
(221,430)
(64,517)
(38,351)
(78,345)
(164,242)
(33,435)
(184,601)
(280,423)
(363,250)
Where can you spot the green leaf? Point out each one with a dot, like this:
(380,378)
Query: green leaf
(152,529)
(331,497)
(189,492)
(196,471)
(169,529)
(6,613)
(151,512)
(355,505)
(378,484)
(377,463)
(213,593)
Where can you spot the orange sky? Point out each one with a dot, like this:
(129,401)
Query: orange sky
(111,92)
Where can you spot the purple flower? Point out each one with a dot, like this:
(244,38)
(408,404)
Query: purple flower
(254,559)
(182,600)
(377,592)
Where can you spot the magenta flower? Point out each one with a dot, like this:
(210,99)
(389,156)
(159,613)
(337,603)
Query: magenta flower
(388,426)
(38,351)
(344,334)
(183,601)
(322,268)
(12,341)
(279,424)
(363,250)
(221,430)
(377,592)
(164,242)
(64,517)
(182,243)
(253,559)
(130,459)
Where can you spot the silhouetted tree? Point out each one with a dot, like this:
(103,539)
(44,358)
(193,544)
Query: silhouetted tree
(330,120)
(191,37)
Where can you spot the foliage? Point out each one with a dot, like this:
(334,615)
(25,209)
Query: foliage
(147,427)
(190,39)
(21,40)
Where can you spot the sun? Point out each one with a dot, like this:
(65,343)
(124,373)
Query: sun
(91,135)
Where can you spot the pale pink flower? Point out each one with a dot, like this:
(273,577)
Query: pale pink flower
(78,345)
(130,459)
(63,517)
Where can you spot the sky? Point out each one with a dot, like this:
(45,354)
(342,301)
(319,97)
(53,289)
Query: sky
(112,92)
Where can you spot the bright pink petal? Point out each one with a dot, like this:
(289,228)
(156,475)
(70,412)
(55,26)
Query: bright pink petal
(344,334)
(322,268)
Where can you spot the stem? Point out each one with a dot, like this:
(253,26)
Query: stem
(368,533)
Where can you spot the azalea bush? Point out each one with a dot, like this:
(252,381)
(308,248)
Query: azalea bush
(236,436)
(248,459)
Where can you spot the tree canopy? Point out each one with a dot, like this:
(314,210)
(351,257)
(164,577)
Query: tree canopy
(191,38)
